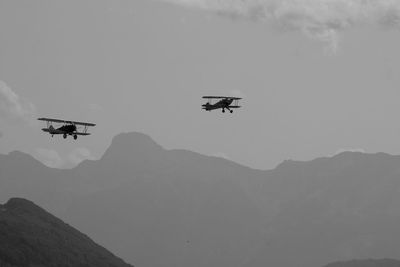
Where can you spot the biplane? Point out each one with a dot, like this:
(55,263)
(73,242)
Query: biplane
(67,127)
(225,102)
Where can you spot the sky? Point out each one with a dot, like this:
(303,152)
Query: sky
(316,77)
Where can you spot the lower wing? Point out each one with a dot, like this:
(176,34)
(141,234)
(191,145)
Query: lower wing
(234,106)
(78,133)
(52,131)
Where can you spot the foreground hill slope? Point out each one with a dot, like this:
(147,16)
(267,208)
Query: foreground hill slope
(30,236)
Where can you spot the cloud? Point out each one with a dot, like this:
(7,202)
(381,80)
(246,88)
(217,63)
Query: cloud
(80,154)
(53,159)
(341,150)
(221,155)
(318,19)
(1,134)
(12,106)
(50,157)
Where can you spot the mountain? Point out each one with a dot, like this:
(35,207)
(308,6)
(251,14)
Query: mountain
(179,205)
(366,263)
(159,207)
(30,236)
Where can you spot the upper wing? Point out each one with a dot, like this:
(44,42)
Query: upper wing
(221,97)
(51,120)
(64,121)
(82,123)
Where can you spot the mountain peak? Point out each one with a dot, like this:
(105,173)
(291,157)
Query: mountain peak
(129,136)
(15,159)
(126,145)
(18,202)
(18,155)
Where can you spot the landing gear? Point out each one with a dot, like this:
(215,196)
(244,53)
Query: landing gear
(231,111)
(223,110)
(65,136)
(75,137)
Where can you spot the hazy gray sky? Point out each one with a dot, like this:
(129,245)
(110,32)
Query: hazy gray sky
(316,78)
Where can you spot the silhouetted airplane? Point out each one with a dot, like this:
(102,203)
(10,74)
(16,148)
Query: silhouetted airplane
(224,103)
(69,127)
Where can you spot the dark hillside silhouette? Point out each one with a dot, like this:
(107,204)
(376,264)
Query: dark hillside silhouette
(30,236)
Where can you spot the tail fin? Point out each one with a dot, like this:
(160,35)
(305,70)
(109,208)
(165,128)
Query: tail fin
(206,106)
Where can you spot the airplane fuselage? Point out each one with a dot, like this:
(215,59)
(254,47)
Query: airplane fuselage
(68,129)
(224,104)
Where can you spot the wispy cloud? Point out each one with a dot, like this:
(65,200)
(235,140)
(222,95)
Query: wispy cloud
(12,106)
(221,155)
(54,159)
(319,19)
(80,154)
(50,157)
(342,150)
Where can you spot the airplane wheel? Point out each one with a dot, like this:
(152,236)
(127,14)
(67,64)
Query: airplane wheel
(223,111)
(75,137)
(65,136)
(231,111)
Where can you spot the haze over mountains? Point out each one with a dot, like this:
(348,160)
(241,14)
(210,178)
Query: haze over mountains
(158,207)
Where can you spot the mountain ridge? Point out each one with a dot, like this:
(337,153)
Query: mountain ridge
(141,199)
(130,141)
(366,263)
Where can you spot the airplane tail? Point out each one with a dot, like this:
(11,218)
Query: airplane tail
(206,106)
(49,130)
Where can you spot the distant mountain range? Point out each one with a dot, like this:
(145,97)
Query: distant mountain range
(158,207)
(366,263)
(30,236)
